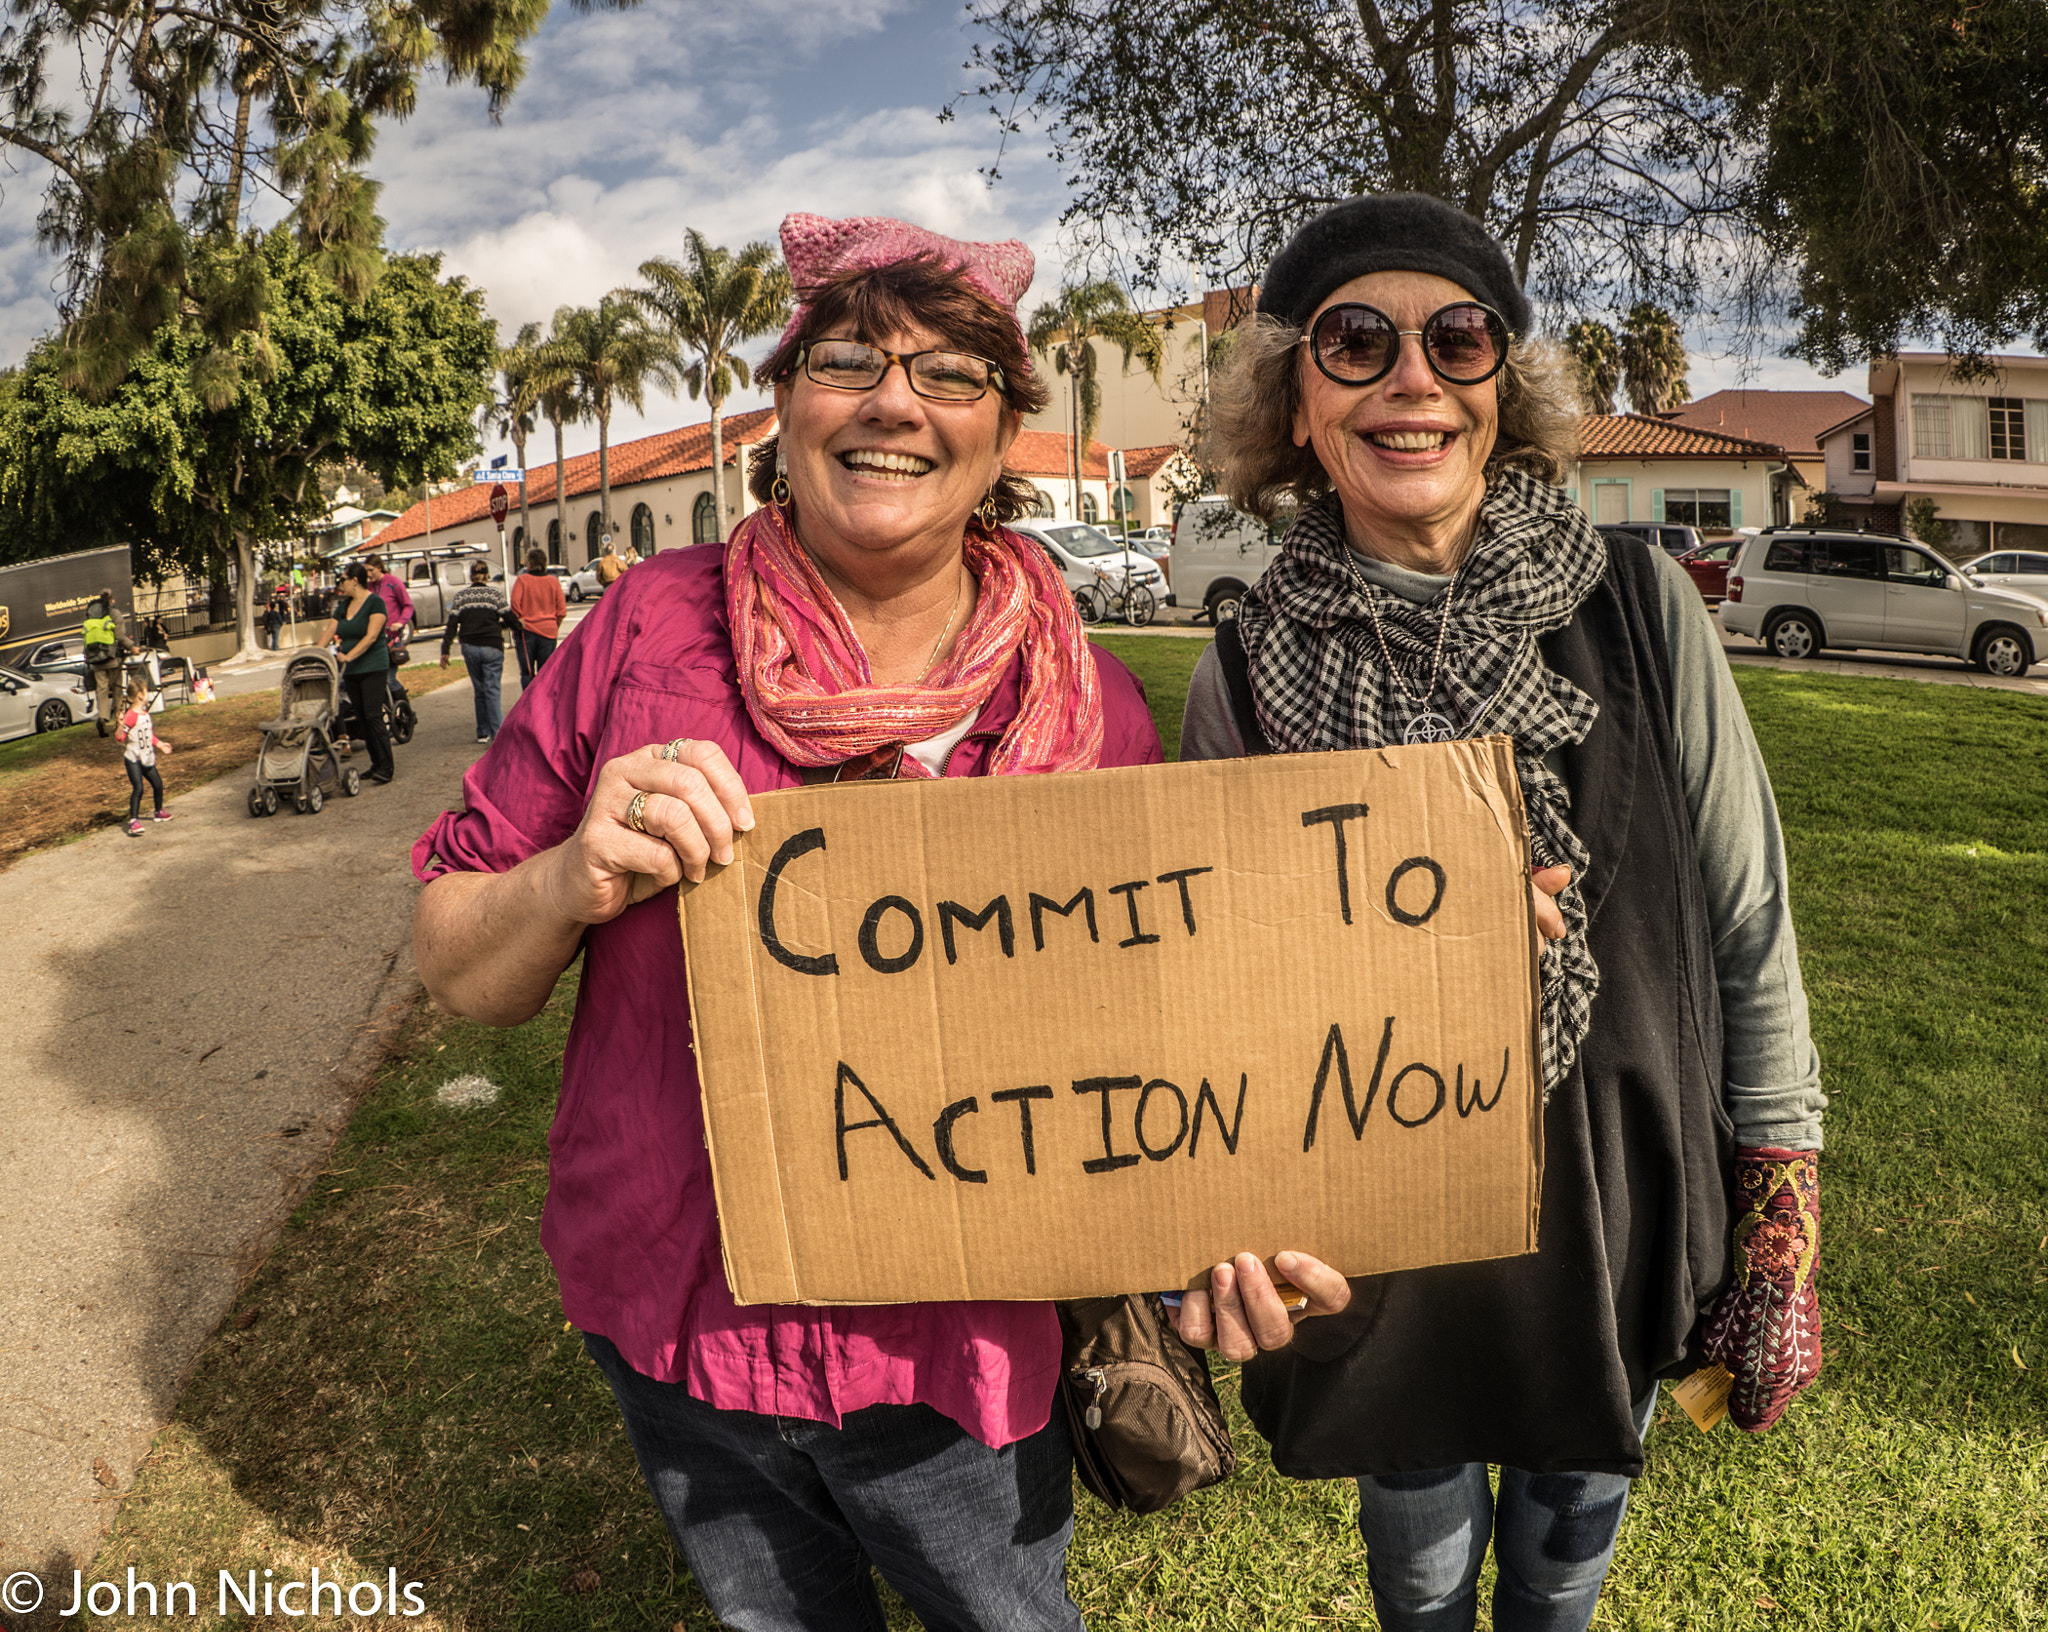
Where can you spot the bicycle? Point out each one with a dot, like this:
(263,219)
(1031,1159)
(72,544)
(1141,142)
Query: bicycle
(1116,598)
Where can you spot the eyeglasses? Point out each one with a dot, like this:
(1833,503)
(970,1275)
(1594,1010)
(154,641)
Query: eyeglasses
(943,376)
(1355,344)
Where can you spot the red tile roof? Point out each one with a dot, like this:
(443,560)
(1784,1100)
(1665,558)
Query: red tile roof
(1793,420)
(644,459)
(1148,461)
(1637,436)
(1046,453)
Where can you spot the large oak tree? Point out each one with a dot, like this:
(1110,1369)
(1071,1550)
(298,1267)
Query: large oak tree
(1876,164)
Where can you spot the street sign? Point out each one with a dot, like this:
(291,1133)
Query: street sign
(482,476)
(501,501)
(1116,466)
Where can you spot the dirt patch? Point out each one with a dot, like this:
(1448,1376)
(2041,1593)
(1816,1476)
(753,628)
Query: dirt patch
(68,783)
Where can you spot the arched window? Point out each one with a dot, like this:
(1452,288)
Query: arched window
(518,542)
(593,536)
(643,531)
(554,542)
(1121,503)
(1091,512)
(704,520)
(1041,504)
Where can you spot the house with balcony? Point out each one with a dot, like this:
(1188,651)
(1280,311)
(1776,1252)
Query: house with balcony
(1976,447)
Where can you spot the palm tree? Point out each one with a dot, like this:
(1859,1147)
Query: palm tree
(1065,329)
(1598,354)
(512,415)
(1653,357)
(613,355)
(705,309)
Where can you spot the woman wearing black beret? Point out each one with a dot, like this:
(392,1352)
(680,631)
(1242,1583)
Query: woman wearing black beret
(1436,583)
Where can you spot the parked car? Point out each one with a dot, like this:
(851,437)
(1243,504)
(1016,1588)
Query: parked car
(1218,554)
(1708,566)
(583,586)
(2018,572)
(1799,590)
(51,659)
(1672,540)
(29,704)
(1080,551)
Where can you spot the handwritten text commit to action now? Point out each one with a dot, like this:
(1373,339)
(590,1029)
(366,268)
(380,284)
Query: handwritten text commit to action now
(934,1019)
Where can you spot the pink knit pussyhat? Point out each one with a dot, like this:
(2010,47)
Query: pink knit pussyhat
(818,250)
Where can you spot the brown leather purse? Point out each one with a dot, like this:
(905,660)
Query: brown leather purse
(1147,1425)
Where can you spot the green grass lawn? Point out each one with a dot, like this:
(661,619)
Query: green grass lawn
(398,1389)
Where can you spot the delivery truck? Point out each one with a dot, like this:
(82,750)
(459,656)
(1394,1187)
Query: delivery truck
(45,600)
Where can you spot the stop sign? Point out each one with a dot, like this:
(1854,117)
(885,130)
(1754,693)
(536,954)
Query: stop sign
(501,501)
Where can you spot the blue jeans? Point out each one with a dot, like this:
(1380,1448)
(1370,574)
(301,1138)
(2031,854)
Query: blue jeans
(538,647)
(486,665)
(781,1519)
(1553,1537)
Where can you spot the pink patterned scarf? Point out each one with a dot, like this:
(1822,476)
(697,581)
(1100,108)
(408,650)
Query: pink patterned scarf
(806,679)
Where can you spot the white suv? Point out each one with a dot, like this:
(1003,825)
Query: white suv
(1801,589)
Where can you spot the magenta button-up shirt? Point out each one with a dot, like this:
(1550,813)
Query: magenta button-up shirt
(630,1223)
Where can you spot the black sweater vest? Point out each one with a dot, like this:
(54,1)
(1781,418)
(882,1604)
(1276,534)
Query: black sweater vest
(1534,1361)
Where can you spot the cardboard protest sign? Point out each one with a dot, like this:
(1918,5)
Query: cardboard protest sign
(1068,1036)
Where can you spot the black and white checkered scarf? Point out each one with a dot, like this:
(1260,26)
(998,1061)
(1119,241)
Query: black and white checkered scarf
(1320,682)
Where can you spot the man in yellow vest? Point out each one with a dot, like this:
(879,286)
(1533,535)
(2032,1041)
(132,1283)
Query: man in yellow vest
(102,633)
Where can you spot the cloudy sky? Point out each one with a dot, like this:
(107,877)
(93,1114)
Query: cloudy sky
(722,115)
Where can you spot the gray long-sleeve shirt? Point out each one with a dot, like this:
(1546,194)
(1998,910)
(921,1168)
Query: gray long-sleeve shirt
(1770,1071)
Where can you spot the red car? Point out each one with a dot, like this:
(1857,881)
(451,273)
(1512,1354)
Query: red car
(1708,568)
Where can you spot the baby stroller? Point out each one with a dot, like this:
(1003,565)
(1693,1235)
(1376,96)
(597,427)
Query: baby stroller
(298,759)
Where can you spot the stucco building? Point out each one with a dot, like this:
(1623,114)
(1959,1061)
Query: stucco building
(661,494)
(1978,448)
(1633,467)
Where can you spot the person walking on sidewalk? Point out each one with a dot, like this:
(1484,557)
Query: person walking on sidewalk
(611,567)
(537,598)
(103,650)
(358,624)
(477,617)
(139,741)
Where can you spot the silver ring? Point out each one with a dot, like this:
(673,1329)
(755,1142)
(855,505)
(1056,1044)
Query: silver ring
(673,752)
(636,808)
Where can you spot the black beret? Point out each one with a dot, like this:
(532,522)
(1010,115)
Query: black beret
(1391,232)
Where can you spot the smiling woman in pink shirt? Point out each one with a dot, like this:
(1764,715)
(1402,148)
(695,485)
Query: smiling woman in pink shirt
(873,617)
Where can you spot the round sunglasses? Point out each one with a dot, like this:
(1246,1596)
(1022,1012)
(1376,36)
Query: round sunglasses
(1355,344)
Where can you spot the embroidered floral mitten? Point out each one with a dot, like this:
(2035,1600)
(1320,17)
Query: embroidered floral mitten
(1766,1328)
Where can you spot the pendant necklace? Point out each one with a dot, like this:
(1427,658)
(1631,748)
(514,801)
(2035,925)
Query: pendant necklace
(1427,725)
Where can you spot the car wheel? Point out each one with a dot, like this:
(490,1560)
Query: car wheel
(1089,604)
(2002,651)
(1139,606)
(351,782)
(1795,635)
(575,592)
(53,715)
(1223,607)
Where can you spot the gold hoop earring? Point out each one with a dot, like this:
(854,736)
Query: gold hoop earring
(779,492)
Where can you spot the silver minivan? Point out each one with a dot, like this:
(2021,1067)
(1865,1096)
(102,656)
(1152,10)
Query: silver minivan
(1799,590)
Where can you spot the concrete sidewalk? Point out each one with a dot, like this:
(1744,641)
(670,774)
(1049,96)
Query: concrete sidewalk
(189,1016)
